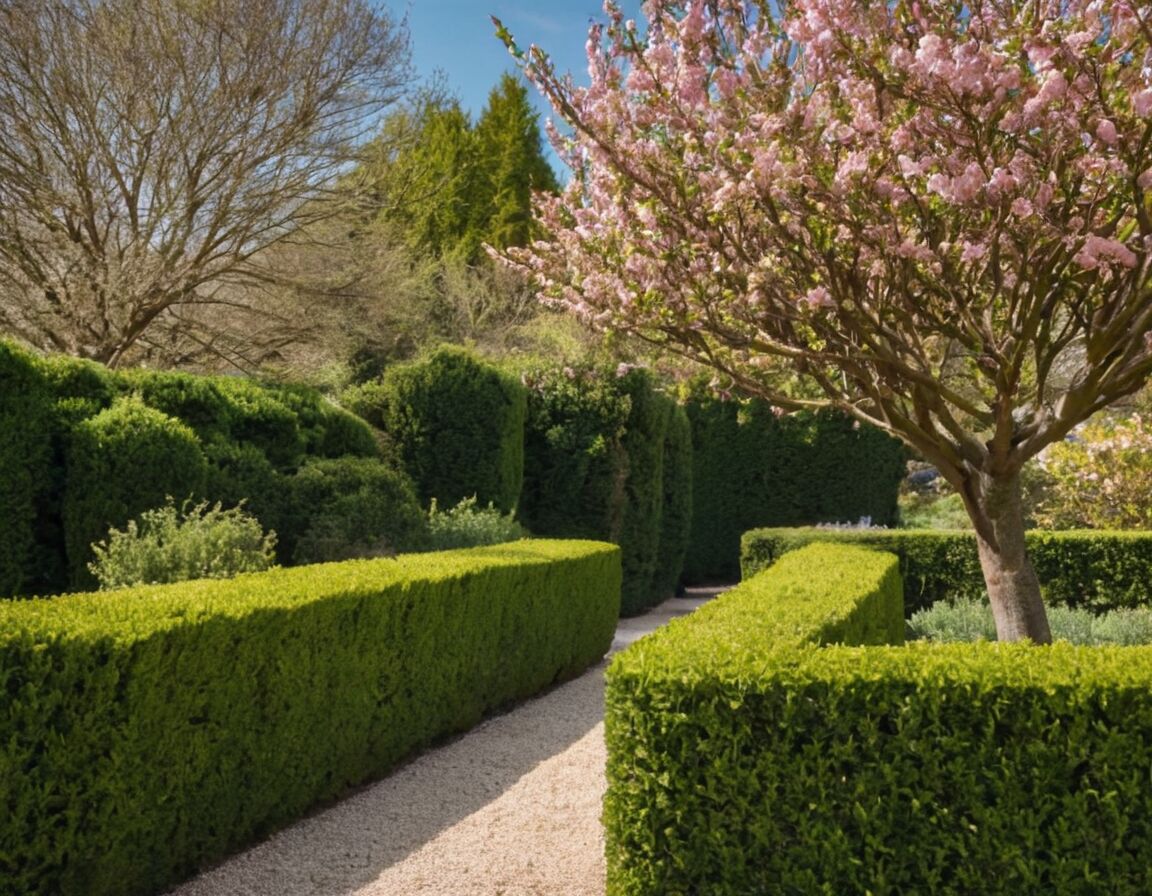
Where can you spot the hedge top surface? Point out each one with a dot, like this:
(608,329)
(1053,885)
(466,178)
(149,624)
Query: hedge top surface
(134,614)
(788,625)
(747,630)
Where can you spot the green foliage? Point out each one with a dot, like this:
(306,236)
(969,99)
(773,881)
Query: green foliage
(594,466)
(170,544)
(971,620)
(468,525)
(125,460)
(744,759)
(239,472)
(1100,479)
(1097,570)
(349,507)
(753,467)
(25,466)
(641,518)
(676,516)
(457,185)
(457,424)
(931,511)
(511,166)
(574,460)
(149,732)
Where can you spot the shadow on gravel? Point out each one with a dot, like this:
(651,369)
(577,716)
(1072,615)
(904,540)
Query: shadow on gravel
(344,848)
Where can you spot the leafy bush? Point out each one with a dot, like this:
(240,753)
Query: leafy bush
(467,525)
(971,620)
(350,507)
(742,759)
(149,732)
(1099,479)
(458,425)
(171,544)
(125,460)
(1097,570)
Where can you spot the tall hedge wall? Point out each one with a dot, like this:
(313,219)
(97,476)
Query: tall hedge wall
(25,467)
(1097,570)
(457,423)
(754,468)
(148,732)
(744,757)
(596,442)
(676,514)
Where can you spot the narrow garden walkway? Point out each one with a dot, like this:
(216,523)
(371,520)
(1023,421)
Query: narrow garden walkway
(512,808)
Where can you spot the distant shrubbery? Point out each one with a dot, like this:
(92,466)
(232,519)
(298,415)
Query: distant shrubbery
(95,448)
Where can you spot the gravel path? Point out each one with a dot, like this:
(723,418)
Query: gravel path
(512,808)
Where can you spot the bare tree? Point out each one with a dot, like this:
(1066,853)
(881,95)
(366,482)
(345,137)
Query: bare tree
(150,150)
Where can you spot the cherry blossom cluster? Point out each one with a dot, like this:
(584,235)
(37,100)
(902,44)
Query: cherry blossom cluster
(939,211)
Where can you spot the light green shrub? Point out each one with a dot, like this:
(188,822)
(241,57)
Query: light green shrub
(170,544)
(467,525)
(971,620)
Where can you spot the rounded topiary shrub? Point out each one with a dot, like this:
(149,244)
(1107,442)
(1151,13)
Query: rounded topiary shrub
(125,460)
(256,417)
(350,507)
(457,424)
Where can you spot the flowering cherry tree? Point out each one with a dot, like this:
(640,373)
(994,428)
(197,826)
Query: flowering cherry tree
(938,211)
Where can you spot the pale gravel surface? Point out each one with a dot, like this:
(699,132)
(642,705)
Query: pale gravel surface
(512,808)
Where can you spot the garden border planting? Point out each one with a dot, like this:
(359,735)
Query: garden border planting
(153,730)
(1095,569)
(755,747)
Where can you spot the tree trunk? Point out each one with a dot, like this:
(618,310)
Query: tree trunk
(1013,588)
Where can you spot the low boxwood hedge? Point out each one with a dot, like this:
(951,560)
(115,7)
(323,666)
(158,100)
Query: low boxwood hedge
(1097,570)
(150,731)
(753,749)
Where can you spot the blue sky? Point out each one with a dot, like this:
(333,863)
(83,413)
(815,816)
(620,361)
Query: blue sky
(457,37)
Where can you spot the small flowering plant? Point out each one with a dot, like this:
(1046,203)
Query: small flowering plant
(1101,479)
(940,212)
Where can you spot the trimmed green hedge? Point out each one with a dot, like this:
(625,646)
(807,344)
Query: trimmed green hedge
(1098,570)
(743,757)
(457,423)
(596,446)
(676,516)
(754,468)
(150,731)
(25,466)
